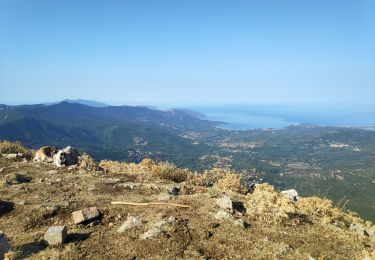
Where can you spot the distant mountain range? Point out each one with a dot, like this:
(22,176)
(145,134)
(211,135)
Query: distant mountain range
(116,132)
(90,103)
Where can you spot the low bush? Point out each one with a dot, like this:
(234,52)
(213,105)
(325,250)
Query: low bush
(169,171)
(231,182)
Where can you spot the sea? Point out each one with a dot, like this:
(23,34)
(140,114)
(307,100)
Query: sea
(242,117)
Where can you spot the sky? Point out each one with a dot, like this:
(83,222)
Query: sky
(188,52)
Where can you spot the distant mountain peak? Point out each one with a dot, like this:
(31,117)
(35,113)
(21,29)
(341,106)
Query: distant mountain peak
(91,103)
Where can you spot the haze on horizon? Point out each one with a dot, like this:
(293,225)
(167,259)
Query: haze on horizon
(188,52)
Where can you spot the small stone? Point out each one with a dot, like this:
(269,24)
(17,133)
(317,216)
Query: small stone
(52,172)
(369,232)
(239,222)
(20,202)
(291,194)
(11,156)
(56,235)
(174,191)
(225,203)
(110,224)
(72,167)
(164,197)
(221,214)
(164,222)
(128,185)
(357,228)
(4,245)
(86,214)
(128,224)
(152,233)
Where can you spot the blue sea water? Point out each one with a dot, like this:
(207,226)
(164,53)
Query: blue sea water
(263,116)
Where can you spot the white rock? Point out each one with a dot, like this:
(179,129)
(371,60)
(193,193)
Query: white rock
(11,156)
(164,197)
(239,222)
(357,228)
(56,235)
(128,185)
(164,222)
(292,194)
(369,232)
(128,224)
(225,215)
(221,214)
(152,233)
(225,203)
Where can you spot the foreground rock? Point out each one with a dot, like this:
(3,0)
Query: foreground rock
(4,245)
(156,230)
(56,235)
(224,215)
(292,194)
(128,224)
(225,203)
(85,215)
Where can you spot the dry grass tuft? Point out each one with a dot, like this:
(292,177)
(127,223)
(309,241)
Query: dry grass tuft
(115,166)
(87,163)
(212,176)
(231,182)
(268,205)
(147,169)
(7,147)
(169,171)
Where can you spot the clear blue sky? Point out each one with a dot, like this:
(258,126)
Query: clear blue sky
(188,51)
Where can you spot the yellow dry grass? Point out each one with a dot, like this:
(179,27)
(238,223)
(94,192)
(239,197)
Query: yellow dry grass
(7,147)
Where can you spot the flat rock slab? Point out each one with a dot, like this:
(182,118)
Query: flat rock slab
(56,235)
(84,215)
(4,245)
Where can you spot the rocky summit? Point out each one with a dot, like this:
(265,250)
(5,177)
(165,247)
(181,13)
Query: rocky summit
(154,210)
